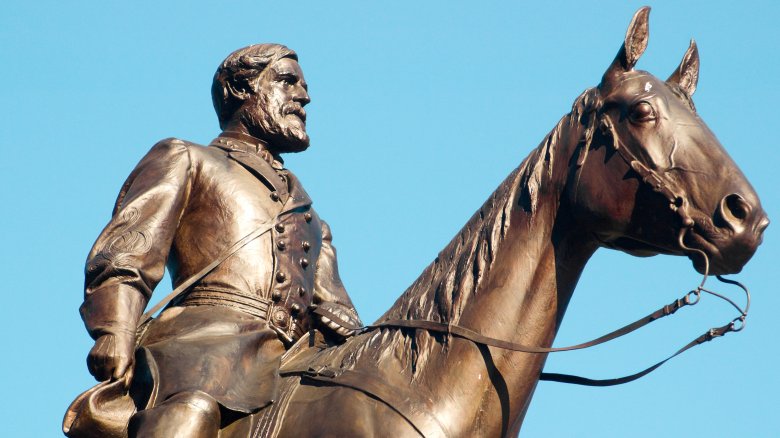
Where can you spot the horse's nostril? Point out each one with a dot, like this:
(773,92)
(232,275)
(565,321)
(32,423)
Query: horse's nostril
(736,207)
(762,225)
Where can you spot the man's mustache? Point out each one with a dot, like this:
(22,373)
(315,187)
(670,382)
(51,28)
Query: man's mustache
(294,108)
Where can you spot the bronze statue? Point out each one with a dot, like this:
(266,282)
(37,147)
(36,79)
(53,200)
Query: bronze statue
(632,167)
(213,354)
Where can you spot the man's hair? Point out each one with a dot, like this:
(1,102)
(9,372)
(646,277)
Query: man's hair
(238,71)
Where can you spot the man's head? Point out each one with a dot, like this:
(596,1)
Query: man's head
(260,90)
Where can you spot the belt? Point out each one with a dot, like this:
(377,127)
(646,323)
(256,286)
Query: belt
(278,317)
(252,305)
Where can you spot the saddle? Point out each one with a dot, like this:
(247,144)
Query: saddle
(104,410)
(313,361)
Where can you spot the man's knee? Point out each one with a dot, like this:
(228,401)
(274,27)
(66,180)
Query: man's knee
(186,414)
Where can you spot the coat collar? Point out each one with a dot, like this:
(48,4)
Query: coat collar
(266,167)
(251,157)
(247,143)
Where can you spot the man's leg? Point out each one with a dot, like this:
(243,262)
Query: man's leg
(185,415)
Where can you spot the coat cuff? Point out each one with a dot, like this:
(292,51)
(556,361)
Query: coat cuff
(112,310)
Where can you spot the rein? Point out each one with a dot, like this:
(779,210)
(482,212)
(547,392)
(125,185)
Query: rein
(689,299)
(678,204)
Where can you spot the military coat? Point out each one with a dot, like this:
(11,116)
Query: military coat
(184,205)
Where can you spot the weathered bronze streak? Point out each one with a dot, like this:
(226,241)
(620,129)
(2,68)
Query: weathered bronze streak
(632,167)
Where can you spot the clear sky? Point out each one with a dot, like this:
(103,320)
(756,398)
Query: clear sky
(419,109)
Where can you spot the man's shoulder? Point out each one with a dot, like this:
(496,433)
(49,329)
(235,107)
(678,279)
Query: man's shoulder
(174,145)
(173,148)
(174,153)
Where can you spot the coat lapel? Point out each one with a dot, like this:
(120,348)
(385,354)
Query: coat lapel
(298,196)
(254,164)
(290,192)
(262,170)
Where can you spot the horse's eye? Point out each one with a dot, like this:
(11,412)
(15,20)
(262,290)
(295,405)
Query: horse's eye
(642,112)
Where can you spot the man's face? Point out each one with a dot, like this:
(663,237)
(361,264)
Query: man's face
(274,113)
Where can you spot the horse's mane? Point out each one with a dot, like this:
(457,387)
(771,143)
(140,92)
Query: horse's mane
(457,272)
(446,285)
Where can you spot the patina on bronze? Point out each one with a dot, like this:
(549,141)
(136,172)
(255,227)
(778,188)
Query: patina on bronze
(213,355)
(632,167)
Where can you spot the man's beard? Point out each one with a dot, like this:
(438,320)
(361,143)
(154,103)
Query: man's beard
(269,122)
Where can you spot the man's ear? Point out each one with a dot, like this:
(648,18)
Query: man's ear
(238,93)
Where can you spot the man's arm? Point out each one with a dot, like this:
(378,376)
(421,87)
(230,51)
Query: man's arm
(128,258)
(329,291)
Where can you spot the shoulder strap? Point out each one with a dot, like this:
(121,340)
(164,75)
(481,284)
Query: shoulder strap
(262,229)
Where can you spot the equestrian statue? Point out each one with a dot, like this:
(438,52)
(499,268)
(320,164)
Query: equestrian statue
(259,338)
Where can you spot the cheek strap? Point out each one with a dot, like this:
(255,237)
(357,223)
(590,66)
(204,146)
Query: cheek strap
(657,182)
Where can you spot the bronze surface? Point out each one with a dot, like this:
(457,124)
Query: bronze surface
(632,167)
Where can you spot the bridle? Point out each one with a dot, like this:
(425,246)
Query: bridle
(426,423)
(677,203)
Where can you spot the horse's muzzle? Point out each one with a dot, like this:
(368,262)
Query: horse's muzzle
(742,224)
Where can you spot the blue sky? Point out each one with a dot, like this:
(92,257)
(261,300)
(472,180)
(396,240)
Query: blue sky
(419,110)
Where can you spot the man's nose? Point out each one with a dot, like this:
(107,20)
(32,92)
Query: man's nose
(302,96)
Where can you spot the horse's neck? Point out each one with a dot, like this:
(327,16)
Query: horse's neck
(521,298)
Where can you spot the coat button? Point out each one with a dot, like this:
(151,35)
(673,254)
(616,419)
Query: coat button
(276,295)
(281,245)
(306,245)
(280,277)
(295,308)
(304,262)
(301,291)
(279,228)
(274,196)
(280,318)
(307,216)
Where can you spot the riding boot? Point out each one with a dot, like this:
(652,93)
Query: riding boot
(184,415)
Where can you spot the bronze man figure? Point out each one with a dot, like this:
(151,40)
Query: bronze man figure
(213,354)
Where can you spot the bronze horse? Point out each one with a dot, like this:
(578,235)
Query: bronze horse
(632,167)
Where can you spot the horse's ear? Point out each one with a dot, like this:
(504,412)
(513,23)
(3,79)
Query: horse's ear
(634,44)
(687,74)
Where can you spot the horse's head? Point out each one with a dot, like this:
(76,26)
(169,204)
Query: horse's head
(650,177)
